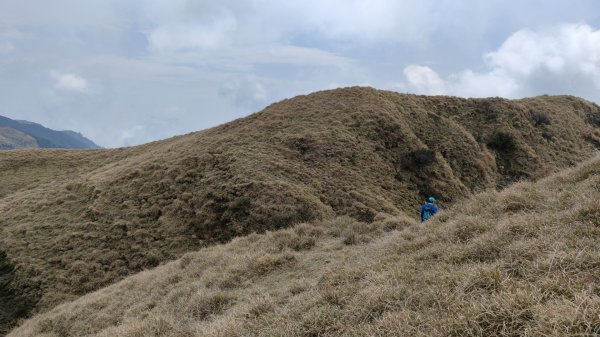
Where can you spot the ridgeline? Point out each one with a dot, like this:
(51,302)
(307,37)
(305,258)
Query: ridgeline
(23,134)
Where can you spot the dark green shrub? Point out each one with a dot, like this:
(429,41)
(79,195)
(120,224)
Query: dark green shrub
(416,160)
(302,145)
(364,214)
(547,135)
(593,118)
(540,118)
(302,213)
(280,220)
(240,207)
(595,141)
(15,300)
(426,190)
(502,142)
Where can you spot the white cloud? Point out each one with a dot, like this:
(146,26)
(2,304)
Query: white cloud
(573,49)
(424,80)
(11,34)
(232,33)
(192,24)
(184,25)
(6,47)
(527,63)
(190,36)
(132,133)
(69,82)
(245,93)
(298,56)
(52,13)
(493,83)
(375,20)
(238,58)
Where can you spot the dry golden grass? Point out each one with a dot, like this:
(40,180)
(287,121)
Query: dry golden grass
(75,221)
(521,262)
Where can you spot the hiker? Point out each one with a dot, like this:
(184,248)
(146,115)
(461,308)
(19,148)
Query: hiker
(428,209)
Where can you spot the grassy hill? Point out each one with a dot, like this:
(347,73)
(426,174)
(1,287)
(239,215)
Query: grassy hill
(74,221)
(524,261)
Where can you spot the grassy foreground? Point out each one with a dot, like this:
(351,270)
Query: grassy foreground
(521,262)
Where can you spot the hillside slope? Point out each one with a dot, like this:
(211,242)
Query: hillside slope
(15,139)
(524,261)
(33,135)
(74,221)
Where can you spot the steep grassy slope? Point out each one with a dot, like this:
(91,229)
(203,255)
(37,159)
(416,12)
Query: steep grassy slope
(524,261)
(74,221)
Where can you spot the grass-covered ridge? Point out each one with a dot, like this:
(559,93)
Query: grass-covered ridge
(74,221)
(524,261)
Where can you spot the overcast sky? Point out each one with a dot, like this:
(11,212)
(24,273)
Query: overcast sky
(125,72)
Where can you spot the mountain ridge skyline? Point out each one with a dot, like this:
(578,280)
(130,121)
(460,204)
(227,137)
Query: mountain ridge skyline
(18,133)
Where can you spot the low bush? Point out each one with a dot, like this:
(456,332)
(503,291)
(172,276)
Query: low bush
(502,142)
(302,145)
(594,140)
(15,302)
(416,160)
(593,118)
(540,118)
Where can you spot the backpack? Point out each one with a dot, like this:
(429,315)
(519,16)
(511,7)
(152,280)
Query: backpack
(426,215)
(428,211)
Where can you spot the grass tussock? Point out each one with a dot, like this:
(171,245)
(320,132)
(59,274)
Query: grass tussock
(486,267)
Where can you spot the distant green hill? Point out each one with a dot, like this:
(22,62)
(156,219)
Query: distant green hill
(23,134)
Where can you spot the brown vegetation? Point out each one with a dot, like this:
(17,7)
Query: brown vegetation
(74,221)
(523,261)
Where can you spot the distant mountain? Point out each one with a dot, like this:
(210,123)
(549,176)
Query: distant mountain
(16,134)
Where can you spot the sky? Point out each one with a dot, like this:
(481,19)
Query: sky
(126,72)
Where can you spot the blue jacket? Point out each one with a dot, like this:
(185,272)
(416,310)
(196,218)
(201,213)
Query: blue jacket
(427,210)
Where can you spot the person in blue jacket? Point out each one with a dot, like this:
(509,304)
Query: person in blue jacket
(428,209)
